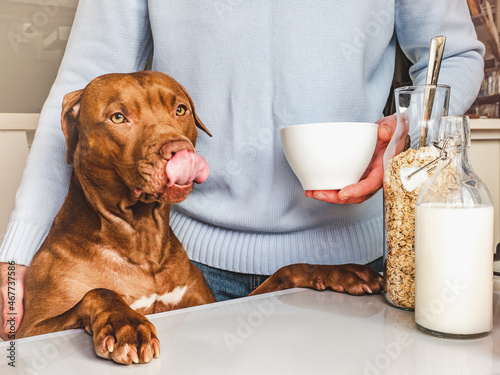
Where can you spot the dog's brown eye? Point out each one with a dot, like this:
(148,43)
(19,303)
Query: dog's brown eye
(181,110)
(117,118)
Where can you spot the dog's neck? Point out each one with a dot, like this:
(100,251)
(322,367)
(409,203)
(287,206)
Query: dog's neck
(141,229)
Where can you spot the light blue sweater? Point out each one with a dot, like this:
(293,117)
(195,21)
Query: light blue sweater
(252,67)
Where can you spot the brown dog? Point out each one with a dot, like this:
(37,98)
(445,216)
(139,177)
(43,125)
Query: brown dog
(111,257)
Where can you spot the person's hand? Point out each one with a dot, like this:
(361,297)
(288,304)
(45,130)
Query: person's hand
(11,298)
(371,180)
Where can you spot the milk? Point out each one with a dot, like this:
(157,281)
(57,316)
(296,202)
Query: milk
(454,269)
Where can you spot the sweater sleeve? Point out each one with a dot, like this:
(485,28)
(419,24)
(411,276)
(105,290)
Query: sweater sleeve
(417,22)
(107,36)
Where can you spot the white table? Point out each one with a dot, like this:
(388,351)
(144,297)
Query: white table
(296,331)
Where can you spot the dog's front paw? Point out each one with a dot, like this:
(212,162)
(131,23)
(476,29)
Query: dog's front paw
(125,337)
(354,279)
(349,278)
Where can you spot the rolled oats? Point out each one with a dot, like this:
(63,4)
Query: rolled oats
(399,207)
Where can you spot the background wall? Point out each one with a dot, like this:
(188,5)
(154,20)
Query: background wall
(33,35)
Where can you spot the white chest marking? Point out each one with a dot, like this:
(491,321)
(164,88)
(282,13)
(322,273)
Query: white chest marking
(173,297)
(143,302)
(169,298)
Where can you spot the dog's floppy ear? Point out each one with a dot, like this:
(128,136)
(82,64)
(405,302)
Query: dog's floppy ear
(197,121)
(69,118)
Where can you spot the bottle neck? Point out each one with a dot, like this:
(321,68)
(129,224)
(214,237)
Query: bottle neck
(454,183)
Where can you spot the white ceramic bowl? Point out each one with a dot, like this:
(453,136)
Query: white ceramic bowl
(330,155)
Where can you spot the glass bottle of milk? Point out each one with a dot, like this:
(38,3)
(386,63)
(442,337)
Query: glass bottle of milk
(454,243)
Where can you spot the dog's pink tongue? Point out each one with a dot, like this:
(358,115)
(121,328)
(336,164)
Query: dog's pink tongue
(186,167)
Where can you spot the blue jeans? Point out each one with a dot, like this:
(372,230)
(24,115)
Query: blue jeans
(229,285)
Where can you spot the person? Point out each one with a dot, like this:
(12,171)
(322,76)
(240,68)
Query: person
(252,67)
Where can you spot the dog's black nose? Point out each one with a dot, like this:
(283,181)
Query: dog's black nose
(168,149)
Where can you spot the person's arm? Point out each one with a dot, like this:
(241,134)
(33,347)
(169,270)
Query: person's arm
(416,23)
(11,298)
(107,36)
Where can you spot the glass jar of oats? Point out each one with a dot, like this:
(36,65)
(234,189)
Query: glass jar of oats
(406,169)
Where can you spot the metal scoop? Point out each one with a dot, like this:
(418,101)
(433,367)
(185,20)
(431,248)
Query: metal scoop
(434,65)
